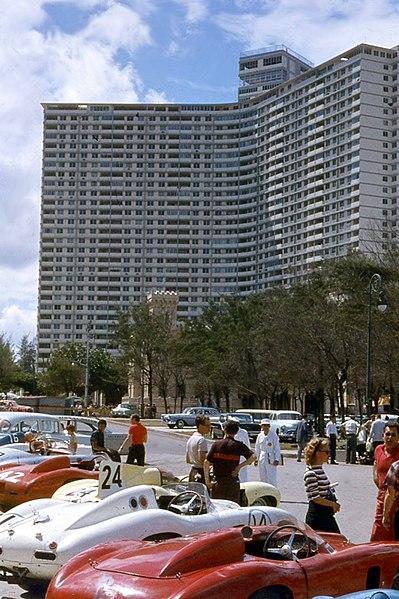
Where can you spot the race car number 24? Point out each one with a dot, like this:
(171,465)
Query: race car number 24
(111,476)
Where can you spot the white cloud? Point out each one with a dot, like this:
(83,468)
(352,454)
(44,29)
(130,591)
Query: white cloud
(40,62)
(18,301)
(118,27)
(155,97)
(15,323)
(196,10)
(315,28)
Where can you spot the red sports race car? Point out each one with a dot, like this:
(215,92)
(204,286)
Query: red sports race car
(24,482)
(268,562)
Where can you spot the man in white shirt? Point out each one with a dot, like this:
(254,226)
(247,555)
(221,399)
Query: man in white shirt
(377,431)
(350,429)
(268,453)
(242,436)
(197,448)
(332,433)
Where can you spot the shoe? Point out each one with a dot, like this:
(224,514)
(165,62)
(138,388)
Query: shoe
(334,463)
(298,460)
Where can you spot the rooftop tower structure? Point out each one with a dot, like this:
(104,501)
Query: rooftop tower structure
(264,69)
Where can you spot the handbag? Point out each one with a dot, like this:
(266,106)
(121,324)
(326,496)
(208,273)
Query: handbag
(331,496)
(369,445)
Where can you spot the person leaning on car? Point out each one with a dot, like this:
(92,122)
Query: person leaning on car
(224,455)
(97,442)
(196,449)
(137,436)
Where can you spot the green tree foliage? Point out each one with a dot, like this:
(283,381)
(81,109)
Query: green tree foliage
(144,336)
(66,373)
(27,355)
(308,342)
(7,364)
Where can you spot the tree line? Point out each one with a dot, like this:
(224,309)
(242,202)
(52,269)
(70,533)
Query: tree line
(295,346)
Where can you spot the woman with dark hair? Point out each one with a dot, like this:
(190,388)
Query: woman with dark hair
(322,502)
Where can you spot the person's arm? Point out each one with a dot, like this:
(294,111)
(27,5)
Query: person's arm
(327,502)
(94,444)
(277,451)
(202,456)
(126,440)
(375,474)
(247,462)
(313,493)
(257,450)
(74,445)
(207,474)
(390,495)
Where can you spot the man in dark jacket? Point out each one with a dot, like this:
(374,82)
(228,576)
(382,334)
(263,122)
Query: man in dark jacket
(303,434)
(224,455)
(97,442)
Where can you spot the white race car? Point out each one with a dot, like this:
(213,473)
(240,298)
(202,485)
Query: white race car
(40,536)
(114,477)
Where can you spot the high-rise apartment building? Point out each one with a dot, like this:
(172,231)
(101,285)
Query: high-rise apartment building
(212,199)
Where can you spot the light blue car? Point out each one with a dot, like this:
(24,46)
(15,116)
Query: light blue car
(369,594)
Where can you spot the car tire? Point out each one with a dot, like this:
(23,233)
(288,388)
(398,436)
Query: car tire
(180,423)
(271,593)
(34,587)
(266,500)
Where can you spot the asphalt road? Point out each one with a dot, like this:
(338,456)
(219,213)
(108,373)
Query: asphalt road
(356,491)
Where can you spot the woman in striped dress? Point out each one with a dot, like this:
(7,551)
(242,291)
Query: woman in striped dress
(321,510)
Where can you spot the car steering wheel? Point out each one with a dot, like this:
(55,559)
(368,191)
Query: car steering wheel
(98,459)
(186,500)
(286,550)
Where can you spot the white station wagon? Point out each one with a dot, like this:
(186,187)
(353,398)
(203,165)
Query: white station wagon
(13,426)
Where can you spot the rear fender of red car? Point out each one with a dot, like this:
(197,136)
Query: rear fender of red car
(205,551)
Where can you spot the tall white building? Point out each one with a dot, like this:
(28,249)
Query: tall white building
(213,199)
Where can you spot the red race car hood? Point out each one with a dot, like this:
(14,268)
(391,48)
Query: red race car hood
(171,557)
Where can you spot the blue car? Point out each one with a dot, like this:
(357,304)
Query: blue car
(187,417)
(369,594)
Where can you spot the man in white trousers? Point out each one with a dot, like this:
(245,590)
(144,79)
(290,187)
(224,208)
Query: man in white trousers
(268,453)
(242,436)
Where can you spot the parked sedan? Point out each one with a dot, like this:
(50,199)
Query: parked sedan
(187,417)
(124,410)
(270,561)
(245,421)
(14,425)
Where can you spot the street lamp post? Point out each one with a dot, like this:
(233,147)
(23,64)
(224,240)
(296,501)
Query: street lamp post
(88,338)
(375,289)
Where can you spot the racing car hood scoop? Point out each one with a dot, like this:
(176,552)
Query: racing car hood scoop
(174,557)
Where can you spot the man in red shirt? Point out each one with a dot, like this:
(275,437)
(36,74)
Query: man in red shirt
(224,455)
(137,436)
(385,455)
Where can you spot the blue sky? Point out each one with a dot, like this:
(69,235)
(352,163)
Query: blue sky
(138,51)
